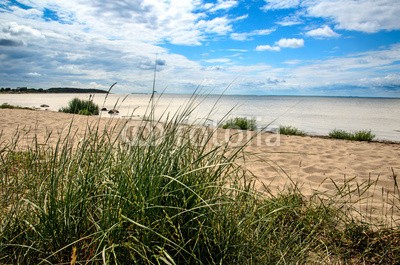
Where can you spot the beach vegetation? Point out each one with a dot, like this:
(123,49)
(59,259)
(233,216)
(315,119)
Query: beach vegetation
(82,107)
(362,135)
(290,130)
(240,123)
(8,106)
(167,195)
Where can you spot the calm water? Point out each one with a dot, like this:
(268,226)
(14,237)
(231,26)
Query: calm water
(315,115)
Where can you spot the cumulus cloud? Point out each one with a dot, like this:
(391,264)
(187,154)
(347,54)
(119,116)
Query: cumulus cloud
(366,15)
(108,41)
(15,29)
(267,48)
(218,25)
(178,22)
(248,35)
(282,43)
(324,32)
(359,15)
(290,43)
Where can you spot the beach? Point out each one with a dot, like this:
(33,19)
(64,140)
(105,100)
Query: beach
(313,164)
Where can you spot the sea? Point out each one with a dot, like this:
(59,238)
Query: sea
(314,115)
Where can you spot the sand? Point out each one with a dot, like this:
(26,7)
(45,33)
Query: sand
(314,164)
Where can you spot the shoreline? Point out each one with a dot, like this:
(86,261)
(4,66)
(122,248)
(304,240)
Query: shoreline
(302,114)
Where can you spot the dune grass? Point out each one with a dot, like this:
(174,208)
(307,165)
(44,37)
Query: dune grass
(290,130)
(363,135)
(240,123)
(81,107)
(8,106)
(160,197)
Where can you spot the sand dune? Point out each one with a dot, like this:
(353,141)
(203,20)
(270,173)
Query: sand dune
(315,164)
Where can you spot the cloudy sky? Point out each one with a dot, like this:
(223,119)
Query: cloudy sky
(272,47)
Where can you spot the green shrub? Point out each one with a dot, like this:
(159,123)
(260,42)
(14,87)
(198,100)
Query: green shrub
(241,124)
(80,106)
(340,134)
(84,112)
(290,130)
(363,135)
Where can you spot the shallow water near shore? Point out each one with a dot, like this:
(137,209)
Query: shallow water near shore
(314,115)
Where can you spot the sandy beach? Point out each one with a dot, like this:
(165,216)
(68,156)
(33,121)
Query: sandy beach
(316,164)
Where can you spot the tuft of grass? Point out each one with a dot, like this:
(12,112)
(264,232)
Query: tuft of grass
(290,130)
(240,123)
(363,135)
(8,106)
(82,107)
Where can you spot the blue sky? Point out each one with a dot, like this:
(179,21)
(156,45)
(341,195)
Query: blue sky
(260,47)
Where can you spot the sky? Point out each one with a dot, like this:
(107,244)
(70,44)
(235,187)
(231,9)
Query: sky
(251,47)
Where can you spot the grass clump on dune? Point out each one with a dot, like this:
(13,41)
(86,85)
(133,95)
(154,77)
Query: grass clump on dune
(8,106)
(162,194)
(363,135)
(290,130)
(81,107)
(240,123)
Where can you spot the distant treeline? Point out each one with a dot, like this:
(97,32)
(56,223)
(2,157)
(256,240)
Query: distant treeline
(50,90)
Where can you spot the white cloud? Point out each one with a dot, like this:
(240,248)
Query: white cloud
(15,29)
(178,22)
(294,19)
(34,74)
(27,13)
(241,17)
(290,43)
(237,50)
(239,36)
(218,60)
(383,81)
(214,68)
(359,15)
(218,25)
(108,41)
(267,48)
(324,32)
(282,43)
(355,69)
(292,62)
(280,4)
(224,5)
(248,35)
